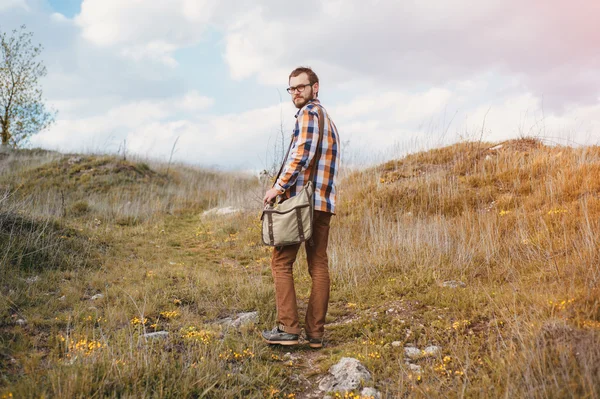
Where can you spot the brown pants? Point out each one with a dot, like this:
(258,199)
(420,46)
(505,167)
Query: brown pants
(285,294)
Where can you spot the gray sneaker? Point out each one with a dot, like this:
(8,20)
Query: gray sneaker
(279,337)
(315,343)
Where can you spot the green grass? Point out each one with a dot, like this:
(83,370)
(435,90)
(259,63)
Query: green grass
(519,226)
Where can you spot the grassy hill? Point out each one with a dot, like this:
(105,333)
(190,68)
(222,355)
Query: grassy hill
(96,251)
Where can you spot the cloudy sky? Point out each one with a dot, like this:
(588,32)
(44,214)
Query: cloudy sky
(395,75)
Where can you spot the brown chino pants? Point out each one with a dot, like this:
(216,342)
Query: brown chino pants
(285,294)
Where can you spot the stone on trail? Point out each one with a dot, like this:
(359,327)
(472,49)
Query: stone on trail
(432,350)
(370,393)
(453,284)
(412,353)
(415,368)
(346,375)
(290,356)
(240,319)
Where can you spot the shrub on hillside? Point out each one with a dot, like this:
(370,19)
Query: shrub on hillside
(28,244)
(80,208)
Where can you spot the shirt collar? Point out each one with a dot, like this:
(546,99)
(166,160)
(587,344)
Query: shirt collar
(313,101)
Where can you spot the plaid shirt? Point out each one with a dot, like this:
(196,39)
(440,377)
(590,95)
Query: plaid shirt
(297,169)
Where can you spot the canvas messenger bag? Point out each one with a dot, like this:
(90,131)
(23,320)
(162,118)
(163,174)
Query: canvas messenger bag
(291,221)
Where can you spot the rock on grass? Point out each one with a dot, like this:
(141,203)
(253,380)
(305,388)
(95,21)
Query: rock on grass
(346,375)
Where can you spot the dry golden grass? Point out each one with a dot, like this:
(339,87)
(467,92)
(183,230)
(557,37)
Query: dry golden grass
(518,225)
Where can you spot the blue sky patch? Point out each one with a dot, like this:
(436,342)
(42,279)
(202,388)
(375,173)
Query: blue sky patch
(68,8)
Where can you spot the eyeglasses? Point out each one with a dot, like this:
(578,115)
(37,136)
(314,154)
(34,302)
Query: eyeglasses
(299,88)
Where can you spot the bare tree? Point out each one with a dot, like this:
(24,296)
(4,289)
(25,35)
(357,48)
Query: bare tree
(22,111)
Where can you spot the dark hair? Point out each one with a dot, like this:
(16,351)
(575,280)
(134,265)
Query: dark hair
(312,76)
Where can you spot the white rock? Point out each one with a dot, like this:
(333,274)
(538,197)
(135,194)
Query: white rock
(228,210)
(97,296)
(245,318)
(62,298)
(221,211)
(290,356)
(240,319)
(415,368)
(346,375)
(21,322)
(453,284)
(412,353)
(157,334)
(432,350)
(396,344)
(370,392)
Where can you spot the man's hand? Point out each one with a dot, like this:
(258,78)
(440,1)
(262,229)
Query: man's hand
(270,196)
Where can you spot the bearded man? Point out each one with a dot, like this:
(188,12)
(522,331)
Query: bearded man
(304,90)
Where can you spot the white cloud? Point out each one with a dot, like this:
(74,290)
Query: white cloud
(8,4)
(145,29)
(248,38)
(193,101)
(157,50)
(404,107)
(409,44)
(58,17)
(151,127)
(394,44)
(232,141)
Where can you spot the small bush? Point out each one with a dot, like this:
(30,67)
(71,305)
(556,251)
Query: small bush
(30,244)
(143,167)
(80,208)
(127,221)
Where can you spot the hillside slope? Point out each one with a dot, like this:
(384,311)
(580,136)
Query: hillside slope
(518,223)
(488,252)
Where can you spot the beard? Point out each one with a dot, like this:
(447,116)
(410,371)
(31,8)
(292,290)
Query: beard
(303,99)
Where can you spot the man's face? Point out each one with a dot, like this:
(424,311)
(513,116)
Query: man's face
(300,98)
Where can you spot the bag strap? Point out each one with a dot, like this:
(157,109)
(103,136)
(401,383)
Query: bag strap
(317,152)
(284,161)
